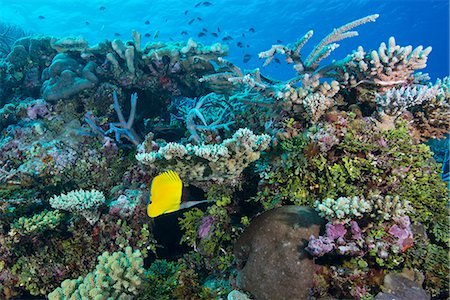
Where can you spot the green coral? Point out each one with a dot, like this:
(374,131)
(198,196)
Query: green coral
(117,276)
(46,220)
(366,161)
(433,261)
(166,280)
(216,246)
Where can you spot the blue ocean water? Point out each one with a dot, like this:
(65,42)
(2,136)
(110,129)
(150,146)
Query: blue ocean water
(411,22)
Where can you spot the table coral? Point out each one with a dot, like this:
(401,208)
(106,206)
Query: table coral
(200,164)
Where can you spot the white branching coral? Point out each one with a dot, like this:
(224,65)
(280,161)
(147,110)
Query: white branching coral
(321,51)
(389,207)
(395,101)
(85,203)
(316,105)
(343,208)
(200,164)
(389,66)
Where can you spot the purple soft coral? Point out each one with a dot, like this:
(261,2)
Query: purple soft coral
(356,230)
(335,231)
(402,231)
(205,227)
(320,246)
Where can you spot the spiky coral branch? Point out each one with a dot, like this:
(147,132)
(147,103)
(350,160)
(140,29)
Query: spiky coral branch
(124,128)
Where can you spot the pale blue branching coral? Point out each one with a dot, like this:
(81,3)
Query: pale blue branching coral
(347,208)
(201,163)
(82,202)
(343,208)
(117,276)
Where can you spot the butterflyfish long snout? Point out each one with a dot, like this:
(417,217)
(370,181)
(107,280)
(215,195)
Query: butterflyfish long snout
(166,193)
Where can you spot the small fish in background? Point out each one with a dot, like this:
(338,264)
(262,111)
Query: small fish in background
(218,29)
(191,21)
(156,34)
(171,39)
(214,34)
(116,34)
(166,195)
(201,34)
(102,8)
(147,35)
(240,44)
(184,32)
(252,30)
(247,57)
(186,12)
(200,19)
(248,46)
(41,17)
(87,23)
(243,34)
(227,38)
(279,41)
(204,29)
(198,4)
(206,3)
(147,22)
(277,60)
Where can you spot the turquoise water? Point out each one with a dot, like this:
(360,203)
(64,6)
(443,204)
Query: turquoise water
(411,22)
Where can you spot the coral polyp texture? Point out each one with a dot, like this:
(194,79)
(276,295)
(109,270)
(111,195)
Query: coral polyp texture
(349,154)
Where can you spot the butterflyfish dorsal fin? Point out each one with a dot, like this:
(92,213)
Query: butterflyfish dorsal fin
(165,194)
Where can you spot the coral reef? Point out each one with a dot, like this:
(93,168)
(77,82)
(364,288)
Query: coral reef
(344,137)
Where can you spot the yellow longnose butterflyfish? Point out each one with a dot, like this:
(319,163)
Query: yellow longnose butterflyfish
(166,193)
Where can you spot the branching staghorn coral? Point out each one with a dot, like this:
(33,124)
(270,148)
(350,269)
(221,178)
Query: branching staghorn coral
(85,203)
(117,276)
(124,128)
(212,113)
(200,164)
(308,69)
